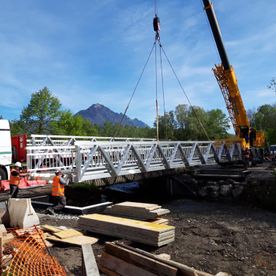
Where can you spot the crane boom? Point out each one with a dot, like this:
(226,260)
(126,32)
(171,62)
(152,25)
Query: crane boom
(228,84)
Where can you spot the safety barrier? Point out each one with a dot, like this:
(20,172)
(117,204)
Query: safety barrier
(30,255)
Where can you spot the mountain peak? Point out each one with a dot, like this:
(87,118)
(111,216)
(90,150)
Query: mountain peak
(97,105)
(99,114)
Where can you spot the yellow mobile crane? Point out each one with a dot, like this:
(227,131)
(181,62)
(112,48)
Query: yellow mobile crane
(228,84)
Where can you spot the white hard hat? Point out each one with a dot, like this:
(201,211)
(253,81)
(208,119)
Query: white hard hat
(18,164)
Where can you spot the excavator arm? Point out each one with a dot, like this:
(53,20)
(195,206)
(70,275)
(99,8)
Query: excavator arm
(228,84)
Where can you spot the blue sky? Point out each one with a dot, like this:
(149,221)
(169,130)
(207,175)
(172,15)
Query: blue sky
(92,51)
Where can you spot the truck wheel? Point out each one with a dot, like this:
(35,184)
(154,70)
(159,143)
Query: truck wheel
(3,175)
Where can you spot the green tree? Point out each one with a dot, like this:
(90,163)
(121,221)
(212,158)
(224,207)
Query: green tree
(182,122)
(17,127)
(110,130)
(68,124)
(265,119)
(192,123)
(43,109)
(197,120)
(182,116)
(167,126)
(107,130)
(217,124)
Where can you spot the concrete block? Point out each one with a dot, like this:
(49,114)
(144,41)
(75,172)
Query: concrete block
(21,213)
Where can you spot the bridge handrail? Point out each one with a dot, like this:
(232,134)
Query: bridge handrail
(41,139)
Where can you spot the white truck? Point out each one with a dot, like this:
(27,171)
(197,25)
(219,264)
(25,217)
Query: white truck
(5,149)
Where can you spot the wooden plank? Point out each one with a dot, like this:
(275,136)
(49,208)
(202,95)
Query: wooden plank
(164,242)
(148,206)
(160,221)
(130,236)
(78,240)
(9,237)
(152,227)
(165,235)
(50,228)
(123,230)
(183,270)
(122,267)
(139,214)
(160,212)
(164,256)
(90,267)
(138,210)
(134,210)
(1,251)
(137,259)
(107,271)
(6,260)
(48,244)
(68,233)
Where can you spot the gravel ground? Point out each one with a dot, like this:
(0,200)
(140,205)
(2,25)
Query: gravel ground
(210,236)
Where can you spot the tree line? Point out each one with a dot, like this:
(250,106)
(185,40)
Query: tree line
(44,115)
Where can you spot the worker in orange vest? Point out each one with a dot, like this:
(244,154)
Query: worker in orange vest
(15,177)
(58,195)
(246,157)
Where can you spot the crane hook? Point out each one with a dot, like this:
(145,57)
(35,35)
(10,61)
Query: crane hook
(156,26)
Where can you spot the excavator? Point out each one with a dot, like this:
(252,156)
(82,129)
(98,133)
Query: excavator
(226,78)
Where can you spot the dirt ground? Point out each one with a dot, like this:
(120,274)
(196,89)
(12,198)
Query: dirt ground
(210,236)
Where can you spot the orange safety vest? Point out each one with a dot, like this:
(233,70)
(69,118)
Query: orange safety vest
(57,188)
(14,180)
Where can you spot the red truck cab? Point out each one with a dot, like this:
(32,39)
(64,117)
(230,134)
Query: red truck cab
(19,144)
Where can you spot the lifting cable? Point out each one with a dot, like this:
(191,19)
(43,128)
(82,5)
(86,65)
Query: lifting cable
(134,90)
(156,27)
(163,91)
(156,95)
(185,94)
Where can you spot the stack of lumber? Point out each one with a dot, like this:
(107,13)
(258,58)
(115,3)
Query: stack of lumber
(120,259)
(67,236)
(134,230)
(4,235)
(136,210)
(159,221)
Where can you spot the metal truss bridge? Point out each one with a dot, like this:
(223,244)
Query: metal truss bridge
(90,158)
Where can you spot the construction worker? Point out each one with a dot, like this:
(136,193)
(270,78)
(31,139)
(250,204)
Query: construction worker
(246,157)
(15,177)
(58,196)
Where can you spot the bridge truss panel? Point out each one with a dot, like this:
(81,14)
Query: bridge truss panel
(99,159)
